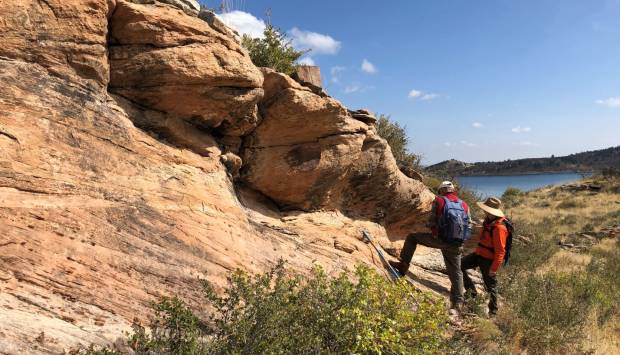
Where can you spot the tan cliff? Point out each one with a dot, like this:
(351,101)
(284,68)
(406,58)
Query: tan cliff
(141,150)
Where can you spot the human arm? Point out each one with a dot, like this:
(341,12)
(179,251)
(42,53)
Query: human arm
(432,218)
(500,234)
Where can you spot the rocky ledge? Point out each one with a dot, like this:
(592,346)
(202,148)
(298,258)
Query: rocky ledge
(142,150)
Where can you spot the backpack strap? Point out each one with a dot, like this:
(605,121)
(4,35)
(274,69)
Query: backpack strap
(486,247)
(491,229)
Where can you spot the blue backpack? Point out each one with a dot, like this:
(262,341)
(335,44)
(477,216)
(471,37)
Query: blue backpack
(454,222)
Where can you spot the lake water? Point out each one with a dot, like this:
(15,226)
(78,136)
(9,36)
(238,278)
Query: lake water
(496,185)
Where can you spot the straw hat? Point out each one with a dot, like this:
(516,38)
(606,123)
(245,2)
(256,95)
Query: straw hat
(492,206)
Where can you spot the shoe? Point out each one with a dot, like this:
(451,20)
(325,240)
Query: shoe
(401,267)
(471,295)
(458,307)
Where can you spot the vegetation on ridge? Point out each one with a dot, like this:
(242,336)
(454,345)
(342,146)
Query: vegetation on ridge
(274,50)
(397,138)
(597,160)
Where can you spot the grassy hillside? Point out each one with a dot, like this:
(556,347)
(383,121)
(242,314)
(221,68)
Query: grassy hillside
(582,162)
(559,293)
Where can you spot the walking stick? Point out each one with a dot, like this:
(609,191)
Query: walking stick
(393,273)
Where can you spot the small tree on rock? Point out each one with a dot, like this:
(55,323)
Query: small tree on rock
(274,50)
(397,138)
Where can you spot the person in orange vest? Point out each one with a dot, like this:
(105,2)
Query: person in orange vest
(489,255)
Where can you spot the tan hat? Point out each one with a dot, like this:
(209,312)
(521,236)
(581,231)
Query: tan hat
(492,206)
(447,185)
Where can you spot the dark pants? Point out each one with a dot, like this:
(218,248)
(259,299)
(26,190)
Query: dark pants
(451,257)
(473,261)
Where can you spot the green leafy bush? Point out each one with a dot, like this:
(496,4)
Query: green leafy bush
(279,312)
(274,50)
(397,138)
(511,196)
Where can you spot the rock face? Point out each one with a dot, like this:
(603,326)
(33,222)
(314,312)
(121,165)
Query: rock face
(310,153)
(117,160)
(309,74)
(180,65)
(67,38)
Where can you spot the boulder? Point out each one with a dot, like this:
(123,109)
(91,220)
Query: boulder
(364,116)
(300,116)
(211,18)
(309,153)
(232,162)
(309,74)
(190,7)
(166,61)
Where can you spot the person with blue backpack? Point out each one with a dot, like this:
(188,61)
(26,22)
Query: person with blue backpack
(450,226)
(493,250)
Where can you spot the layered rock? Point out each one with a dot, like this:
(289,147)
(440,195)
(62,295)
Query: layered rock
(178,64)
(310,153)
(112,198)
(67,38)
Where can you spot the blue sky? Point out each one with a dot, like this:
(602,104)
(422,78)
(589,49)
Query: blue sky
(470,80)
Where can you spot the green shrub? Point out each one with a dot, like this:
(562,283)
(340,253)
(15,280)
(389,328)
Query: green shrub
(605,267)
(273,51)
(511,197)
(279,312)
(397,138)
(549,311)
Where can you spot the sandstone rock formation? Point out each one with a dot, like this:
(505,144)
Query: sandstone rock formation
(310,153)
(180,65)
(117,159)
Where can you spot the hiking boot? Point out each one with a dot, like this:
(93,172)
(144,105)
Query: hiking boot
(458,307)
(400,267)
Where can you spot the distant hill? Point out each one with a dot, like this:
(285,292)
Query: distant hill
(595,160)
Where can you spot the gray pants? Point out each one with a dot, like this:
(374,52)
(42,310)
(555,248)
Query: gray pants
(452,254)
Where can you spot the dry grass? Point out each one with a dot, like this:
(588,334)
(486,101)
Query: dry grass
(568,211)
(566,261)
(604,340)
(581,313)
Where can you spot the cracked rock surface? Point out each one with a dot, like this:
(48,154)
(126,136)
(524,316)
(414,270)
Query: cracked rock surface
(113,186)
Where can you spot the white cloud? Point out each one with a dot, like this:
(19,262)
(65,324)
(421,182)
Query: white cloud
(316,42)
(520,129)
(244,23)
(355,87)
(368,67)
(415,94)
(429,96)
(306,61)
(447,144)
(335,73)
(352,88)
(610,102)
(477,125)
(468,144)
